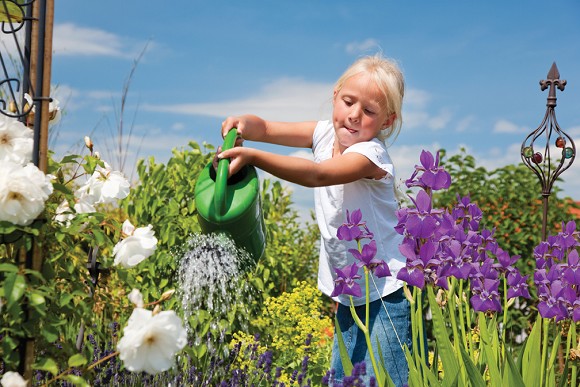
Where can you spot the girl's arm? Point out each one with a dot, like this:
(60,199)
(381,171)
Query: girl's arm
(254,128)
(340,169)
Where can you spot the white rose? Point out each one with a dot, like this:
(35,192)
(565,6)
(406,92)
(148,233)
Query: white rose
(136,298)
(23,192)
(139,244)
(150,342)
(16,141)
(13,379)
(64,214)
(104,186)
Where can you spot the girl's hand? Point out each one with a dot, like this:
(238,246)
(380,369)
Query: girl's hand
(248,127)
(239,157)
(234,122)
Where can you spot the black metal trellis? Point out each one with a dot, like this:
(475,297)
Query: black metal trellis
(538,149)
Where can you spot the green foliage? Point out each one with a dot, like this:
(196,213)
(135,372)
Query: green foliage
(293,325)
(51,297)
(165,199)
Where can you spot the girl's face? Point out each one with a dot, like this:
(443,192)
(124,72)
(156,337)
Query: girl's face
(358,114)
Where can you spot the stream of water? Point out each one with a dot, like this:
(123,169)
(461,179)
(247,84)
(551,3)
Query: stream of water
(211,279)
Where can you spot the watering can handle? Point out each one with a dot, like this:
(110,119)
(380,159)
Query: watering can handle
(221,180)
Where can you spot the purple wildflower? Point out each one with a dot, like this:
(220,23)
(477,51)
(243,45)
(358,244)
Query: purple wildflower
(354,228)
(571,270)
(517,285)
(367,258)
(550,305)
(420,222)
(419,267)
(485,295)
(345,283)
(433,176)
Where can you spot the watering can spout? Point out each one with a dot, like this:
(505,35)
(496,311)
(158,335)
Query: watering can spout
(232,206)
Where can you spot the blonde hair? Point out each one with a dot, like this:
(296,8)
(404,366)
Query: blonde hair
(389,79)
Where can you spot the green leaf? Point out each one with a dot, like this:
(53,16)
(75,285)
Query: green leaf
(532,354)
(14,287)
(77,380)
(383,373)
(10,12)
(415,379)
(47,364)
(511,374)
(490,350)
(450,363)
(8,267)
(77,360)
(475,378)
(344,358)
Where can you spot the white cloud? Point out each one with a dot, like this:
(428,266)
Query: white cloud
(72,40)
(505,126)
(416,98)
(361,47)
(286,99)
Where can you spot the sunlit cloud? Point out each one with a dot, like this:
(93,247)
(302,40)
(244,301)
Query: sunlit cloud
(70,39)
(362,47)
(287,99)
(505,126)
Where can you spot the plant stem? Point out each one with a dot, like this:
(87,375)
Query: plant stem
(505,313)
(452,307)
(464,328)
(543,365)
(424,356)
(574,367)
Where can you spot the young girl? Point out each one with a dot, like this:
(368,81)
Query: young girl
(351,170)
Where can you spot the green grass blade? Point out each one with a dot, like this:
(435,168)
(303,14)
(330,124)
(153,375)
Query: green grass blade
(531,358)
(344,358)
(448,358)
(475,378)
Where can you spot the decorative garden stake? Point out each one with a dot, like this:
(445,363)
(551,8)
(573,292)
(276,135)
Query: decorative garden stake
(549,138)
(36,18)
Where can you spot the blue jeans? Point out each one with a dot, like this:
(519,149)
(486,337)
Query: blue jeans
(382,328)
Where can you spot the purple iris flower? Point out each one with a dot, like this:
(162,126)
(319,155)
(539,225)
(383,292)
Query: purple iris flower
(567,237)
(367,258)
(414,272)
(433,176)
(468,214)
(421,222)
(505,262)
(551,305)
(458,267)
(517,285)
(345,283)
(576,310)
(571,270)
(351,230)
(485,295)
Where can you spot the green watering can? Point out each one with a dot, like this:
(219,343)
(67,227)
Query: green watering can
(232,206)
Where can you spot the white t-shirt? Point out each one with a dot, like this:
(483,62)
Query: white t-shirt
(377,202)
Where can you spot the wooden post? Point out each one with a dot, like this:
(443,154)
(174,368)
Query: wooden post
(40,77)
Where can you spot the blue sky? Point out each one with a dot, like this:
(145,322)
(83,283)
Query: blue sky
(472,70)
